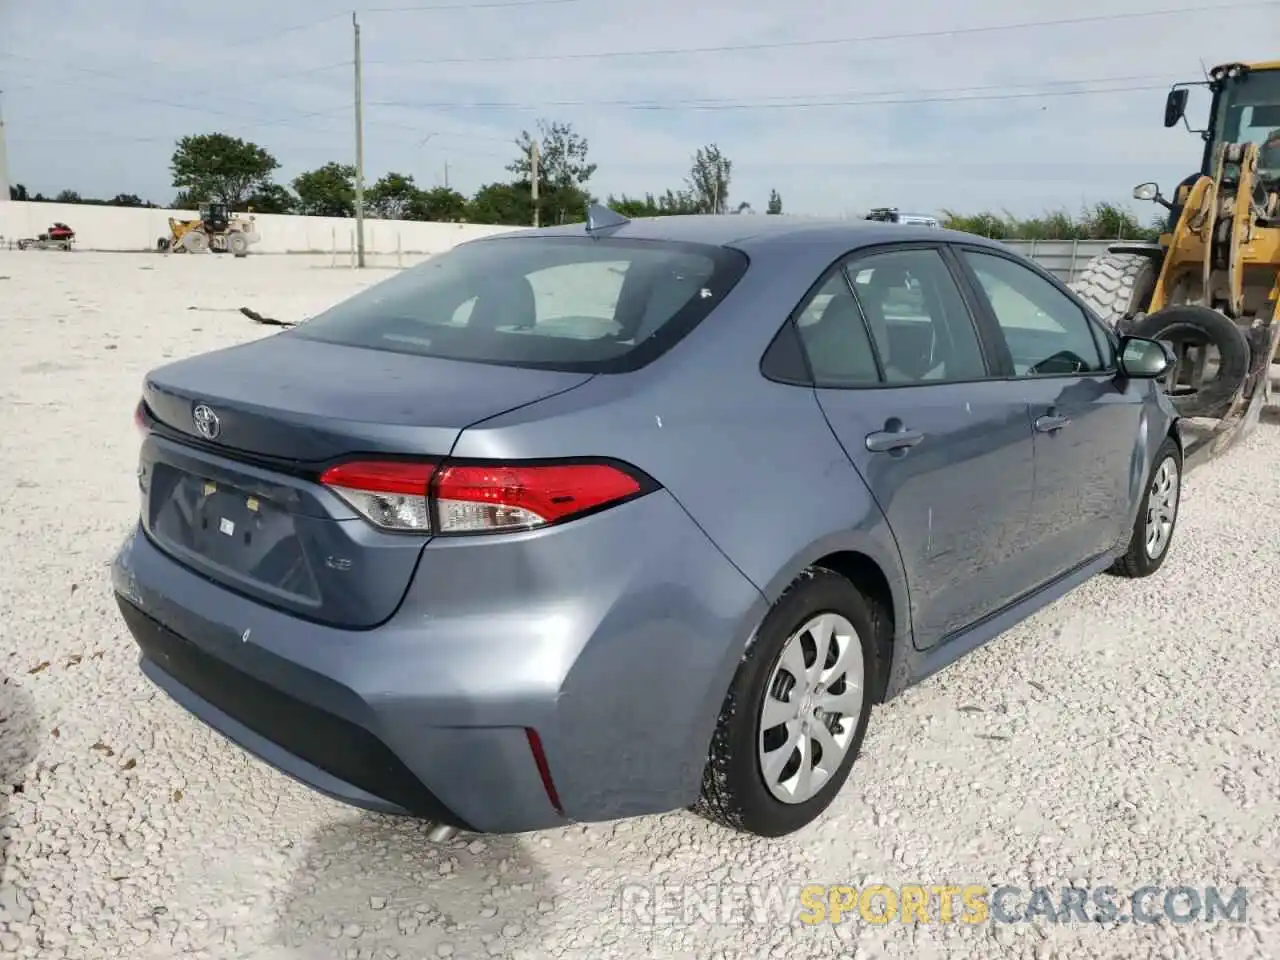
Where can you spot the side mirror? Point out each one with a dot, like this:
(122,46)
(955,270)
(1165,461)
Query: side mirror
(1142,359)
(1175,107)
(1146,191)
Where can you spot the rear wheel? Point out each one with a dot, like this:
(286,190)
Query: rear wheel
(797,711)
(1117,285)
(1157,516)
(238,244)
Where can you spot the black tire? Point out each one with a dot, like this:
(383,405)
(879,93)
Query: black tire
(1117,285)
(1201,325)
(1138,560)
(734,792)
(162,244)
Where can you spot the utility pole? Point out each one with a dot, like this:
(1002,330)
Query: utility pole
(533,179)
(446,174)
(4,161)
(359,151)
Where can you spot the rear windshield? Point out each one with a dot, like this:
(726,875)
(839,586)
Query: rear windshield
(561,303)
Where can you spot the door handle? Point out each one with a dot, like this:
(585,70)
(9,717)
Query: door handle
(886,441)
(1050,423)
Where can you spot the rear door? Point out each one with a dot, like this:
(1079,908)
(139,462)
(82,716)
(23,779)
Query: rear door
(901,372)
(1086,420)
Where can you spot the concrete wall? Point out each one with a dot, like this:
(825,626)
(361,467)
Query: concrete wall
(134,229)
(1066,259)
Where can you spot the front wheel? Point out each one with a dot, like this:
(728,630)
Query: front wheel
(1157,516)
(1117,285)
(796,714)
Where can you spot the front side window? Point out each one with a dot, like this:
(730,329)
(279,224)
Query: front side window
(922,328)
(1046,331)
(590,305)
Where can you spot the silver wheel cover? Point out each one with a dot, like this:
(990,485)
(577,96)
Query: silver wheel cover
(811,707)
(1162,507)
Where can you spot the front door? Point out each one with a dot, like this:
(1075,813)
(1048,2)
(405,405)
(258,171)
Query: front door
(1085,420)
(946,451)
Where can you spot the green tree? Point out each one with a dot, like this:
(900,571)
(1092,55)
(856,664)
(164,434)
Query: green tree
(775,202)
(563,170)
(440,204)
(1103,221)
(327,191)
(68,196)
(18,192)
(127,200)
(218,167)
(669,204)
(392,196)
(505,203)
(709,178)
(1106,221)
(271,198)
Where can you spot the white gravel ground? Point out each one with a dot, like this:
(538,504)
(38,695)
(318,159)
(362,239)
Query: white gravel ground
(1127,736)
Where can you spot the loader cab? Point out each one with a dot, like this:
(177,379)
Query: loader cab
(1245,107)
(215,217)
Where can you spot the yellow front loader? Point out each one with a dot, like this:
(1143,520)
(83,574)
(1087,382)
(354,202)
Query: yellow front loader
(1210,285)
(216,229)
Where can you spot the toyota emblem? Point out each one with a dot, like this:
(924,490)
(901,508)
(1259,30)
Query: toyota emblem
(207,423)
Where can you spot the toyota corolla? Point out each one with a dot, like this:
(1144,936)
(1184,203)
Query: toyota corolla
(579,524)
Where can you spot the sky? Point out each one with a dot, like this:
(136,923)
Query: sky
(1017,105)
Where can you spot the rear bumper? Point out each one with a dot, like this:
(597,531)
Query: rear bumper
(311,745)
(614,638)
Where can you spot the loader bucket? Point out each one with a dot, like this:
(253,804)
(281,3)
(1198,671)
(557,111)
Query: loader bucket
(1207,439)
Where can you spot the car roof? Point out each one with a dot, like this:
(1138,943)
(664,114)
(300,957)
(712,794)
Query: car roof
(759,232)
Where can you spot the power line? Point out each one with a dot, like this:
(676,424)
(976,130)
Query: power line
(779,100)
(483,5)
(115,75)
(838,41)
(283,31)
(694,106)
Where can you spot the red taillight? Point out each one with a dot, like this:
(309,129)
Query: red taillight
(391,494)
(477,498)
(140,416)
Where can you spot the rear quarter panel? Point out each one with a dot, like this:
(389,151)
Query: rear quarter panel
(753,462)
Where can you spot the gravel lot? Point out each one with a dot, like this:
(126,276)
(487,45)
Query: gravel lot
(1127,736)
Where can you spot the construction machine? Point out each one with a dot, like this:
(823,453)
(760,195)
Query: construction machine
(1209,286)
(216,229)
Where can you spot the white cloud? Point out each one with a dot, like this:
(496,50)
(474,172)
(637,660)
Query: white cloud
(151,73)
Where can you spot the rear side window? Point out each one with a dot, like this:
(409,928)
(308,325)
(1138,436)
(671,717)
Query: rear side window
(921,326)
(835,337)
(561,303)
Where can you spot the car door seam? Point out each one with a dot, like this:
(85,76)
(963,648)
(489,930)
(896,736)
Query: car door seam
(906,583)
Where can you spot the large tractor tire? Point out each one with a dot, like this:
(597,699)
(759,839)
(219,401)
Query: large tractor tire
(196,242)
(238,244)
(162,245)
(1117,285)
(1225,346)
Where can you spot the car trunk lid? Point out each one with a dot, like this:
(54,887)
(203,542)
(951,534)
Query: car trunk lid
(236,497)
